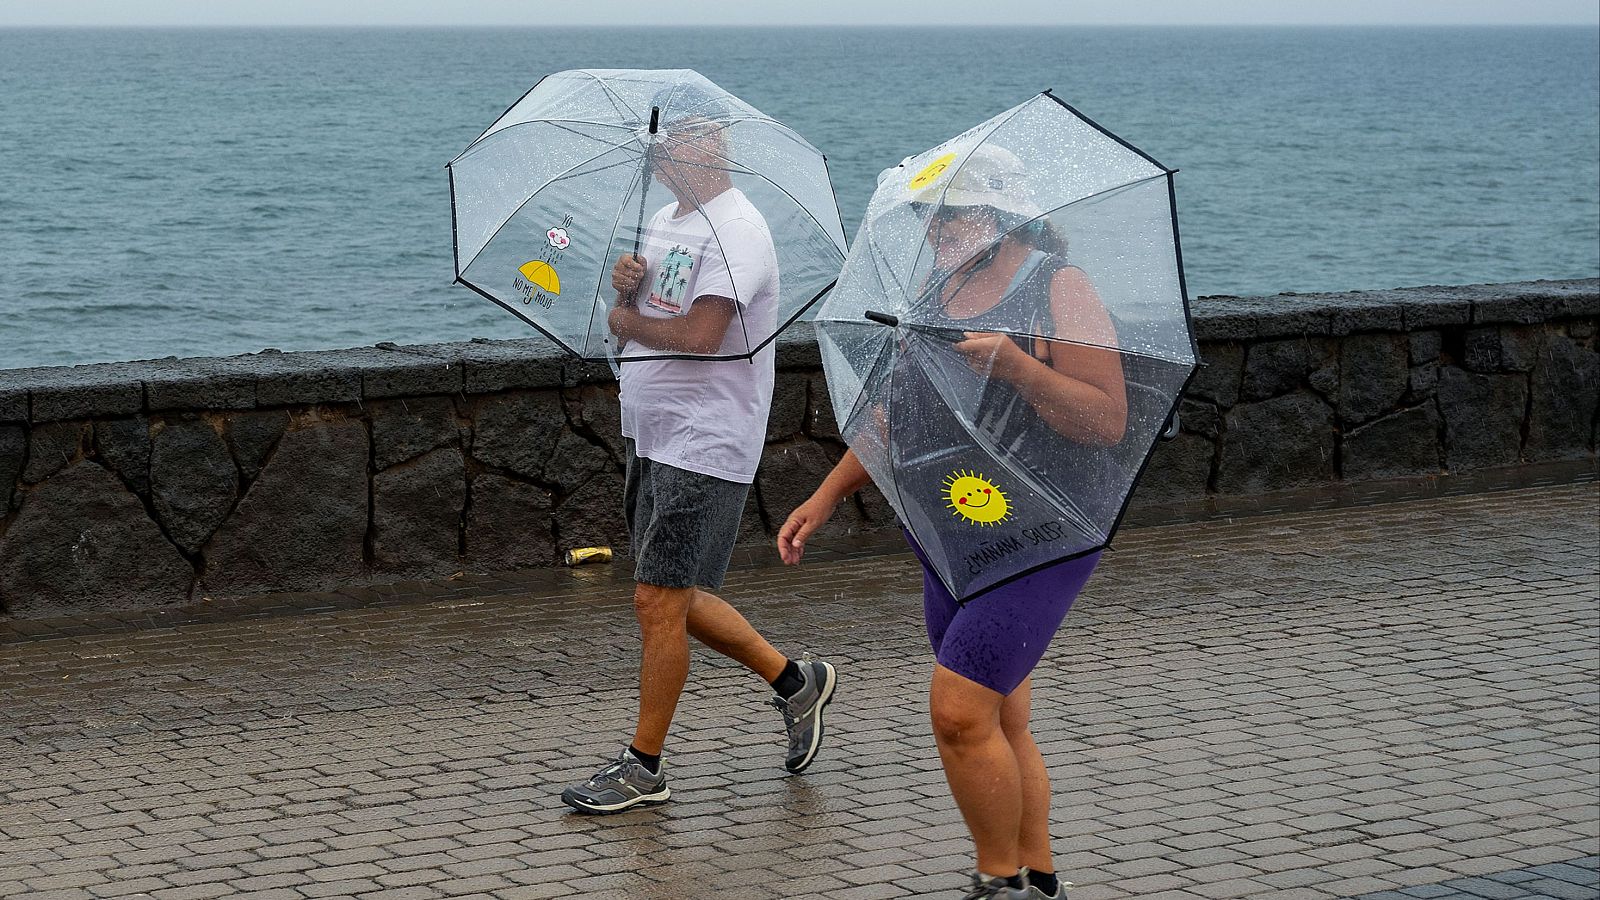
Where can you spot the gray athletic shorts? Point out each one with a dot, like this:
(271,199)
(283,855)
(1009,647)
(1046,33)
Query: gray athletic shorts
(683,523)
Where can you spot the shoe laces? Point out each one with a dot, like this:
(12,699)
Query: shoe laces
(986,890)
(613,773)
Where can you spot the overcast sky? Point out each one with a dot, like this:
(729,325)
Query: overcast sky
(809,12)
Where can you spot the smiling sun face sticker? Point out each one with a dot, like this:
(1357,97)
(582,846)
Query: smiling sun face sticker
(975,498)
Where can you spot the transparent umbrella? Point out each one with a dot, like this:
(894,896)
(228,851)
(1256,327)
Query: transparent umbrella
(574,175)
(1009,338)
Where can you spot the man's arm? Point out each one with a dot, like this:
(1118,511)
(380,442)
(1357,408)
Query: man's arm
(699,331)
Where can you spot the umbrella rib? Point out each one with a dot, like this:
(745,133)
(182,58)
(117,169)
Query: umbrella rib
(700,208)
(861,401)
(478,143)
(535,192)
(1044,215)
(988,446)
(616,221)
(745,170)
(917,260)
(611,94)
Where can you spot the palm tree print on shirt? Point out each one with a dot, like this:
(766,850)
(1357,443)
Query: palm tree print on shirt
(672,281)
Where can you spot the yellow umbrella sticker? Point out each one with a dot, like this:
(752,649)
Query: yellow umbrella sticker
(975,498)
(542,275)
(931,172)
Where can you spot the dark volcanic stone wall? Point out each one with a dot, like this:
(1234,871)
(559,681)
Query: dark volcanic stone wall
(144,484)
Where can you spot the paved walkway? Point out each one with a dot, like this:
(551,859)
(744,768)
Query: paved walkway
(1394,701)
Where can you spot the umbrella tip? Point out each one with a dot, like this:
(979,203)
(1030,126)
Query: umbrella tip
(882,318)
(655,118)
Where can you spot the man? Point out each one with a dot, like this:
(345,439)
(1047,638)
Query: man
(705,285)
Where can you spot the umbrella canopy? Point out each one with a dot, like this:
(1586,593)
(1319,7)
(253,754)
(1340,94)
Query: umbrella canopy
(569,179)
(1008,339)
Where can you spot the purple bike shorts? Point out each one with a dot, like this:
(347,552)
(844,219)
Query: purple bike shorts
(998,637)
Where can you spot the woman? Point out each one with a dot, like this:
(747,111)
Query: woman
(996,259)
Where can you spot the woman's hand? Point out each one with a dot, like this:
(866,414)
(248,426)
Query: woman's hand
(806,519)
(994,354)
(626,275)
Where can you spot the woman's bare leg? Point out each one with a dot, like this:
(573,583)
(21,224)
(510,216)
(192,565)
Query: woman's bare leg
(981,767)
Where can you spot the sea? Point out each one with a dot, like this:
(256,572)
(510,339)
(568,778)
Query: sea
(200,192)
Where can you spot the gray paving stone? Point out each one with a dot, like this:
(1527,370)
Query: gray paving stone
(1390,699)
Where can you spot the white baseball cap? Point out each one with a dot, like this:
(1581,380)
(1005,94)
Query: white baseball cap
(988,176)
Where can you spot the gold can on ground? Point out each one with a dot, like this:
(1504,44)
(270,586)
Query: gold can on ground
(581,555)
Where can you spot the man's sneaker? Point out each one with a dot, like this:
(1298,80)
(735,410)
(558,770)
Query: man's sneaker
(1034,893)
(622,785)
(994,889)
(802,713)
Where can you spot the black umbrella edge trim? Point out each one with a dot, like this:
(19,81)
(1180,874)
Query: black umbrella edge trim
(511,309)
(1108,132)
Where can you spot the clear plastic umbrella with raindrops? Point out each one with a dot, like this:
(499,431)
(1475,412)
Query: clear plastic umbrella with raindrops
(1009,338)
(593,165)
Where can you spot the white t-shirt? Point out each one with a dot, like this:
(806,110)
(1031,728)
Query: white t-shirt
(701,415)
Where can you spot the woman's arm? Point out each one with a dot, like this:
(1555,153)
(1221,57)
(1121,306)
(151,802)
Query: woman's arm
(1077,389)
(847,477)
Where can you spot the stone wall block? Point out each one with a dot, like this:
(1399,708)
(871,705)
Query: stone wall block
(54,446)
(575,461)
(1374,375)
(508,524)
(1426,346)
(1482,416)
(1481,349)
(196,384)
(124,446)
(789,474)
(193,481)
(82,540)
(1275,367)
(1521,347)
(592,516)
(1405,443)
(518,431)
(306,379)
(1199,418)
(13,401)
(252,435)
(594,410)
(303,523)
(416,515)
(1566,394)
(1422,382)
(13,453)
(397,373)
(85,392)
(789,400)
(407,428)
(821,421)
(1220,375)
(1284,442)
(1180,470)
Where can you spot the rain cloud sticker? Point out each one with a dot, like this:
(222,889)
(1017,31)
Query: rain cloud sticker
(558,238)
(975,498)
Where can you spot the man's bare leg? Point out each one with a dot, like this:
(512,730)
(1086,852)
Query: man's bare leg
(715,623)
(664,663)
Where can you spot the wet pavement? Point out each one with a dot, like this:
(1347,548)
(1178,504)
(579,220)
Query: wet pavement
(1385,702)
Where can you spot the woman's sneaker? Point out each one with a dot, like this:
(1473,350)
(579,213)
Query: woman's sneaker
(995,889)
(622,785)
(802,713)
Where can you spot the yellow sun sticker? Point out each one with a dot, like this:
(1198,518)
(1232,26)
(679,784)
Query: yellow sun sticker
(975,498)
(541,275)
(931,172)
